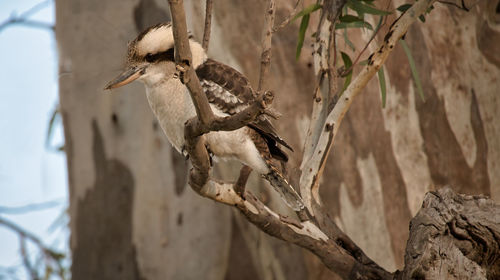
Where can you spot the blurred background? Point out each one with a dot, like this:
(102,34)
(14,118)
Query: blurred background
(124,192)
(33,173)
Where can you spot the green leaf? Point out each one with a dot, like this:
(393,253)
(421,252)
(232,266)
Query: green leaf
(381,82)
(307,10)
(356,24)
(347,64)
(347,60)
(302,33)
(421,18)
(379,24)
(362,8)
(349,18)
(404,7)
(347,41)
(413,69)
(347,82)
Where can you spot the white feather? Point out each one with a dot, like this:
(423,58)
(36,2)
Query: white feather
(161,39)
(172,105)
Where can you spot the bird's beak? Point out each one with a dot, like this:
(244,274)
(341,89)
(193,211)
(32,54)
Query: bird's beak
(126,77)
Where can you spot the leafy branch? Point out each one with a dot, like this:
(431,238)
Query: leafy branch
(348,21)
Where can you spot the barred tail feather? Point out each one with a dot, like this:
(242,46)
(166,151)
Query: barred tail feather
(287,192)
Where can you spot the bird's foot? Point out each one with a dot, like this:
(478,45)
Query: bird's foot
(181,73)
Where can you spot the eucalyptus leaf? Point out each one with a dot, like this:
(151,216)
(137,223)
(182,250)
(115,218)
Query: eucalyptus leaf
(302,33)
(404,7)
(348,42)
(356,24)
(347,64)
(381,82)
(413,69)
(307,10)
(362,8)
(349,18)
(347,60)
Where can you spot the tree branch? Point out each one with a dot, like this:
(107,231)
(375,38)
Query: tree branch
(208,24)
(454,235)
(319,150)
(304,234)
(265,57)
(22,19)
(239,186)
(48,253)
(26,260)
(287,20)
(30,207)
(183,58)
(325,239)
(322,64)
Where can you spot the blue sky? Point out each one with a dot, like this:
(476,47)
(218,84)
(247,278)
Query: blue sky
(29,171)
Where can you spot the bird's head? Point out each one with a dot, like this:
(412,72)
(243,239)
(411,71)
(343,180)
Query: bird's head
(150,57)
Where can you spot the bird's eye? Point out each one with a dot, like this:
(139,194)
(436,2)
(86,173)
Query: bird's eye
(149,57)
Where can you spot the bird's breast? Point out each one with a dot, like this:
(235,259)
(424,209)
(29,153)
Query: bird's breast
(172,106)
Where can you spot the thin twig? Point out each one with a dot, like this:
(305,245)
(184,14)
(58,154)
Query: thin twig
(26,259)
(26,22)
(265,57)
(331,60)
(30,207)
(463,7)
(37,7)
(22,19)
(239,186)
(287,20)
(23,235)
(183,59)
(21,231)
(208,24)
(364,48)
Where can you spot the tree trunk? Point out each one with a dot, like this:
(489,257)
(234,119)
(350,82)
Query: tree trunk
(454,237)
(132,215)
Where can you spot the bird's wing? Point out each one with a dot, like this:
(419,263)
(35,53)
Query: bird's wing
(229,91)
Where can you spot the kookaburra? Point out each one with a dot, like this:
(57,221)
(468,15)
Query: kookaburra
(151,60)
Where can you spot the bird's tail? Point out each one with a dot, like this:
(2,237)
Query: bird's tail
(287,192)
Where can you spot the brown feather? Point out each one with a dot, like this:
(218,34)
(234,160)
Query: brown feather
(212,73)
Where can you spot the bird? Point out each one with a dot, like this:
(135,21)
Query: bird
(150,60)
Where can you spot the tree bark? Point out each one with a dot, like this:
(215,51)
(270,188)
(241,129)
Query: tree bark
(454,237)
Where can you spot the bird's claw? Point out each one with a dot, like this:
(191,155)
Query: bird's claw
(181,73)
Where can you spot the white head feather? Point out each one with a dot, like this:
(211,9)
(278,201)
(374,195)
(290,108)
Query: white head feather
(160,38)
